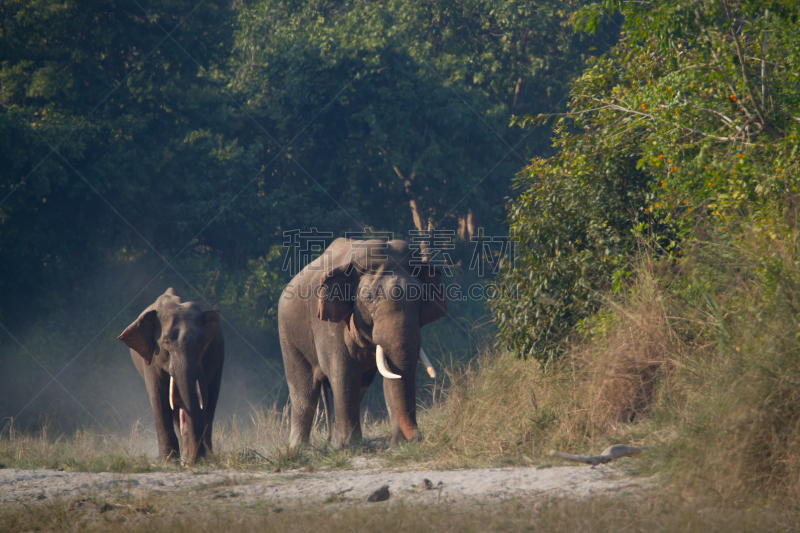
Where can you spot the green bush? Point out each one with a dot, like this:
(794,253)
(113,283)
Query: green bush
(693,117)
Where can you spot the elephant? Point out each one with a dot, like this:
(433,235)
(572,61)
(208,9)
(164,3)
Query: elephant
(179,351)
(355,311)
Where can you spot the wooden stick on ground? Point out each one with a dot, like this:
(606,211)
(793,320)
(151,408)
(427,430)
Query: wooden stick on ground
(609,454)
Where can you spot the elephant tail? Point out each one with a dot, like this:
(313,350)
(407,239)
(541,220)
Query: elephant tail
(326,388)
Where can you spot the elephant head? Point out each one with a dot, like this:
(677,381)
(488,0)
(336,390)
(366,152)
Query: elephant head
(384,295)
(172,336)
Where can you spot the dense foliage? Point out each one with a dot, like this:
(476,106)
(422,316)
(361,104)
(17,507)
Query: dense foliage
(149,144)
(382,103)
(101,111)
(692,120)
(130,128)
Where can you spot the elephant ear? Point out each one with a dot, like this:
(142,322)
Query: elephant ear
(210,329)
(140,336)
(334,299)
(434,304)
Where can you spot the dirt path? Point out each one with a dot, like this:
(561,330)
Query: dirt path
(345,487)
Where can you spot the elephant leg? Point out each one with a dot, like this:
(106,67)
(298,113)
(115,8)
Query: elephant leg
(158,390)
(211,407)
(346,386)
(304,395)
(305,398)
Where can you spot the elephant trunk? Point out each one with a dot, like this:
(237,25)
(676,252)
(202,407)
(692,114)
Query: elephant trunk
(175,399)
(188,390)
(401,398)
(397,355)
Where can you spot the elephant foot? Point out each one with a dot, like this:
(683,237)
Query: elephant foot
(398,437)
(354,439)
(297,440)
(343,444)
(170,456)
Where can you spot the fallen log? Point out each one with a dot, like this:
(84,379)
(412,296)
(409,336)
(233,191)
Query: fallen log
(609,454)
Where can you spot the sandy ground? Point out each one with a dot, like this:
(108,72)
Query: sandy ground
(337,487)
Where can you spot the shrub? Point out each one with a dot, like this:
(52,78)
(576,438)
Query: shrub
(692,120)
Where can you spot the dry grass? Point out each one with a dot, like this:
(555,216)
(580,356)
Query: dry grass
(700,359)
(507,410)
(621,365)
(258,441)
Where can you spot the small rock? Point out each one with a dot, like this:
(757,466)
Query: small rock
(77,505)
(380,495)
(426,484)
(276,471)
(307,469)
(60,469)
(41,496)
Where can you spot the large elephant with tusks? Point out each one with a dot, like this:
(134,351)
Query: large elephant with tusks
(353,312)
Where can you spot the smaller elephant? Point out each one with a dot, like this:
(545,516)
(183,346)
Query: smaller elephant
(178,349)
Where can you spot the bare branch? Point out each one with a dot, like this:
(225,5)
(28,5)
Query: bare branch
(745,77)
(724,118)
(719,65)
(678,125)
(764,62)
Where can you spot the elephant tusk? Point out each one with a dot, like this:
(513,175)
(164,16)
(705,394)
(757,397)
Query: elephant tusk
(427,363)
(381,360)
(199,393)
(171,390)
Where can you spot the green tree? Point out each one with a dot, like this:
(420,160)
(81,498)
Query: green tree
(102,111)
(692,118)
(393,104)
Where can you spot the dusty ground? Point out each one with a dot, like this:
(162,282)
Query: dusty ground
(336,487)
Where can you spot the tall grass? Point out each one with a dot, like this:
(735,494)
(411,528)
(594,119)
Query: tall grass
(504,409)
(699,357)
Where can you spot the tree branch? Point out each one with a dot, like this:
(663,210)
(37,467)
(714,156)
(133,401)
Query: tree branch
(678,125)
(416,213)
(719,65)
